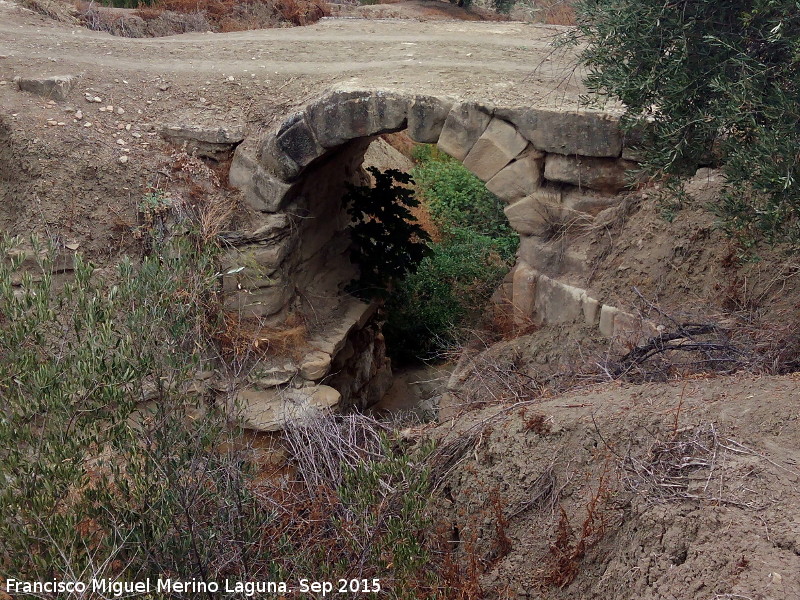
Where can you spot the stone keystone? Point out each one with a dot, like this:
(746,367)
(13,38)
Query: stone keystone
(463,127)
(54,88)
(496,147)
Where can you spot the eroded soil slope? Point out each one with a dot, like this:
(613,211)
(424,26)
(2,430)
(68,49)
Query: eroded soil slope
(669,491)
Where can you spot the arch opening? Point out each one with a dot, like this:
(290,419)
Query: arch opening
(556,172)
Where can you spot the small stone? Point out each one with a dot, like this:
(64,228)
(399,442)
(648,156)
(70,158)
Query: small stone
(102,109)
(164,87)
(121,142)
(87,124)
(78,115)
(230,77)
(109,108)
(61,123)
(128,127)
(52,102)
(4,82)
(136,135)
(97,99)
(123,160)
(120,111)
(52,123)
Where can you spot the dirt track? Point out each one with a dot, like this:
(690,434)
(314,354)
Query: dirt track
(509,62)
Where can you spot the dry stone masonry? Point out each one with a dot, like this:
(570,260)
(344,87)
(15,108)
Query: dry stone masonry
(558,172)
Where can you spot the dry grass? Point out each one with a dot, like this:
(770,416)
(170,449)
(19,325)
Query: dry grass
(239,338)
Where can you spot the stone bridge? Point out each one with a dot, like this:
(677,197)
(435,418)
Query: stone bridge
(560,172)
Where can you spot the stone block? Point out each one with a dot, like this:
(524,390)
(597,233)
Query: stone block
(606,323)
(557,302)
(389,112)
(340,117)
(519,179)
(463,127)
(554,258)
(536,214)
(53,88)
(260,301)
(296,140)
(426,117)
(589,202)
(499,144)
(272,375)
(584,133)
(523,297)
(315,365)
(585,172)
(272,409)
(591,310)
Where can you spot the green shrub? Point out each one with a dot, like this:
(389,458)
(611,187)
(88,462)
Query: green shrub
(458,199)
(447,292)
(387,241)
(703,82)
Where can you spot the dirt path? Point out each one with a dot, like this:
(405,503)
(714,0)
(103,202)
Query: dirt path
(489,61)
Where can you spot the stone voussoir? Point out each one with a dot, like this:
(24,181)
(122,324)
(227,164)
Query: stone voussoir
(519,179)
(426,117)
(558,302)
(498,145)
(463,127)
(536,214)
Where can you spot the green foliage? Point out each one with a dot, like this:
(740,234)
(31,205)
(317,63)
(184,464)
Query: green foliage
(447,292)
(387,241)
(708,81)
(458,199)
(96,483)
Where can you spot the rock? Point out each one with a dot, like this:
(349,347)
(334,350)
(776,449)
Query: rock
(123,160)
(586,172)
(315,365)
(261,190)
(582,133)
(340,117)
(557,302)
(499,144)
(519,179)
(463,127)
(272,409)
(591,310)
(524,292)
(271,376)
(589,202)
(56,88)
(206,133)
(292,149)
(78,115)
(606,324)
(538,214)
(554,258)
(353,314)
(426,117)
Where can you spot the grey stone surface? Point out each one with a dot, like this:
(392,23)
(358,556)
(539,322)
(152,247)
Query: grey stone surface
(273,408)
(554,258)
(568,132)
(606,324)
(315,365)
(591,310)
(523,297)
(463,127)
(537,214)
(498,145)
(519,179)
(602,174)
(557,302)
(426,117)
(206,133)
(296,140)
(261,190)
(53,88)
